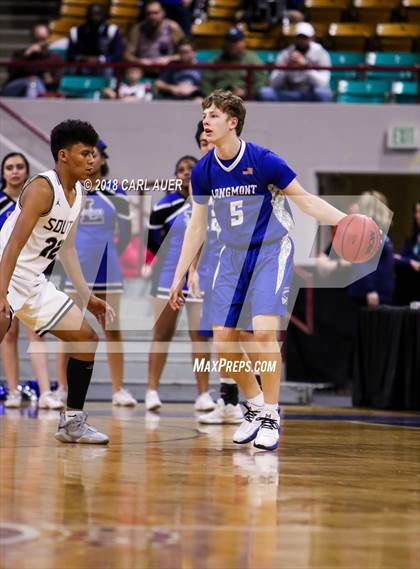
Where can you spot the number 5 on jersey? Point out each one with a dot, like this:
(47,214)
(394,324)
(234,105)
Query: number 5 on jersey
(236,213)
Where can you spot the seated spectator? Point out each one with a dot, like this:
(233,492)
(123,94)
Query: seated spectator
(378,286)
(295,11)
(130,89)
(33,81)
(234,80)
(304,85)
(408,264)
(181,83)
(155,39)
(180,11)
(270,12)
(95,41)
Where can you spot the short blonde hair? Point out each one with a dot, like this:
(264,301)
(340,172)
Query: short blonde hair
(375,205)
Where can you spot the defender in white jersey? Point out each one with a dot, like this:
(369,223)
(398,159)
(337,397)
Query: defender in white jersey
(31,297)
(42,226)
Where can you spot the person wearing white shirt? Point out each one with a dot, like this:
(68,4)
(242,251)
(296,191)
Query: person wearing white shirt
(300,85)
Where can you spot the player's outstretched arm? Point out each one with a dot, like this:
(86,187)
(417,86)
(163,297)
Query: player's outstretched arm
(70,260)
(35,201)
(195,236)
(313,205)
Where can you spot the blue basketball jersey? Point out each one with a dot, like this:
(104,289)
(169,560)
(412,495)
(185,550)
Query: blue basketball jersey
(7,205)
(98,254)
(248,205)
(98,219)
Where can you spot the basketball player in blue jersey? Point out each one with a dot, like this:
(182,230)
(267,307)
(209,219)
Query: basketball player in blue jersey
(168,221)
(250,186)
(228,410)
(44,224)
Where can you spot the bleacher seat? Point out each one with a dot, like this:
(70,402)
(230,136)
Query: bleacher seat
(85,87)
(124,12)
(129,3)
(398,37)
(223,12)
(374,11)
(210,34)
(412,10)
(325,10)
(393,59)
(68,10)
(405,92)
(350,36)
(206,55)
(344,58)
(228,3)
(361,91)
(62,26)
(261,41)
(267,56)
(84,2)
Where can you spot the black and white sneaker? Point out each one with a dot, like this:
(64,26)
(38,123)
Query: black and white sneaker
(269,432)
(73,428)
(248,429)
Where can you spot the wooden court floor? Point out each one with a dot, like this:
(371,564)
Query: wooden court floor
(342,492)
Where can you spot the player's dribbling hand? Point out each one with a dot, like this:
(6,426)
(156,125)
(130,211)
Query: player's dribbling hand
(4,308)
(102,311)
(372,299)
(176,296)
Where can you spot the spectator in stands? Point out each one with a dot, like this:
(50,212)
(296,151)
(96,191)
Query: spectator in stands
(130,89)
(180,11)
(95,41)
(32,81)
(155,39)
(408,264)
(271,13)
(295,10)
(378,286)
(300,85)
(181,83)
(234,51)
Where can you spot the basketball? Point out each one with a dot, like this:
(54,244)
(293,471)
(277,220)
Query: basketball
(357,238)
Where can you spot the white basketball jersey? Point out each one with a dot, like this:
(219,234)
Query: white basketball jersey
(49,232)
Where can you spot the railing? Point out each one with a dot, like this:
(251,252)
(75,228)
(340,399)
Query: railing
(25,123)
(249,69)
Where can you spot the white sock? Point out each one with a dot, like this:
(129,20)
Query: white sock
(258,400)
(271,407)
(227,380)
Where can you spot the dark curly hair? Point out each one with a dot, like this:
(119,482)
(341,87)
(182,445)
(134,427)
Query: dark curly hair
(71,132)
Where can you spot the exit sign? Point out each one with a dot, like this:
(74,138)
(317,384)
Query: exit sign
(403,137)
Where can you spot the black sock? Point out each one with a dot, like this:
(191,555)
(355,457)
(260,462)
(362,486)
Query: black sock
(79,374)
(229,393)
(258,378)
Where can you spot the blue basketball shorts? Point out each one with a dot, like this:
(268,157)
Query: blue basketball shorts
(251,282)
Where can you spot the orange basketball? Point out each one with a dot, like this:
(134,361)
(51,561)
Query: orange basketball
(356,238)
